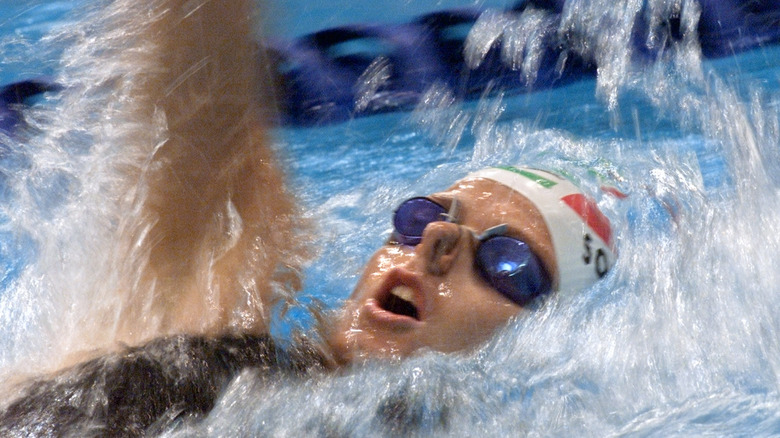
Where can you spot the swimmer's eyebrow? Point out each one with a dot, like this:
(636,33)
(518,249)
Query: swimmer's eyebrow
(443,199)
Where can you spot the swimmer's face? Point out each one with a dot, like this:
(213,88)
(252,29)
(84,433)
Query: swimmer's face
(454,308)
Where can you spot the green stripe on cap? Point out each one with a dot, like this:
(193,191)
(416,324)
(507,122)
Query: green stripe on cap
(542,181)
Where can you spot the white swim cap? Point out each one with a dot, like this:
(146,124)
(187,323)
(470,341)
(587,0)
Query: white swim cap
(581,234)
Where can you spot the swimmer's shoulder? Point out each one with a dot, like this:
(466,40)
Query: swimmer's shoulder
(151,386)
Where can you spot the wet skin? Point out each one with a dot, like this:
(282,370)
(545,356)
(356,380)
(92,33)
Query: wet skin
(454,308)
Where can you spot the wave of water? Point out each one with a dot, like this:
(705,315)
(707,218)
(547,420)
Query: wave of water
(680,339)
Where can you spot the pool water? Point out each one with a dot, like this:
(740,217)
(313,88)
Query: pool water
(681,339)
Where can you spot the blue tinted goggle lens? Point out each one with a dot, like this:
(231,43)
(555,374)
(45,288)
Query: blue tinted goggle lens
(506,263)
(511,268)
(412,216)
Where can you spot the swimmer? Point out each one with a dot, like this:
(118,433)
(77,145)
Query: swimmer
(460,264)
(473,256)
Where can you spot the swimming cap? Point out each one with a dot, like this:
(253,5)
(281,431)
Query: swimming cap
(581,234)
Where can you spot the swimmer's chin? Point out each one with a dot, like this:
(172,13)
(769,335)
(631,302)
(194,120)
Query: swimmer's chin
(338,334)
(349,343)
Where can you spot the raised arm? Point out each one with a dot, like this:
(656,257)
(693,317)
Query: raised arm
(213,219)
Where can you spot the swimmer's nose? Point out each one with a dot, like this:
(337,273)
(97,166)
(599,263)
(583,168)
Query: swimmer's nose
(440,245)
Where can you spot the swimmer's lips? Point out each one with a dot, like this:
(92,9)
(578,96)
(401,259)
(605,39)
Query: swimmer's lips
(399,301)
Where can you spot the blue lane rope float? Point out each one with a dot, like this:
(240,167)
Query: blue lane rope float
(322,76)
(322,83)
(351,71)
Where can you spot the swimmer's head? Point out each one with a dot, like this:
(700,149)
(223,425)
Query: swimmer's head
(462,262)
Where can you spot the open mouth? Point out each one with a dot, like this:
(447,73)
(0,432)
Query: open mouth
(400,301)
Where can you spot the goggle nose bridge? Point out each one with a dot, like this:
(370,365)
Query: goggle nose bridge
(452,217)
(452,214)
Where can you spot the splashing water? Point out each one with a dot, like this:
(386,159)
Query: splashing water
(680,339)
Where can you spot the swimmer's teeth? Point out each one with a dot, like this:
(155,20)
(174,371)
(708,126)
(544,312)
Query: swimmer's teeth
(400,301)
(403,292)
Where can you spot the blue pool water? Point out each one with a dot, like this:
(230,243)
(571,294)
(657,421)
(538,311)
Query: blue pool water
(681,339)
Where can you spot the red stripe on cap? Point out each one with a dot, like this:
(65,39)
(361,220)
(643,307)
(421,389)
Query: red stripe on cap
(591,215)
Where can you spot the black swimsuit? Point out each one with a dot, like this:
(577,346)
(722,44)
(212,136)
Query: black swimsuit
(127,393)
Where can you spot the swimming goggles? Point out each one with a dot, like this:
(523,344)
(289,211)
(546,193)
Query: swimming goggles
(506,263)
